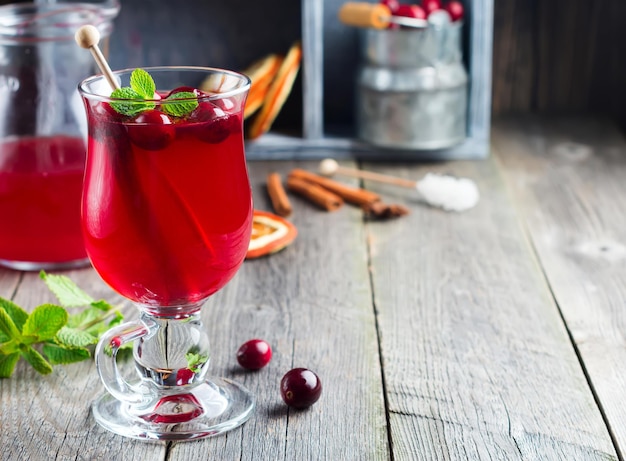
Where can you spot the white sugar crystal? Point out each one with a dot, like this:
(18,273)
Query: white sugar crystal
(448,192)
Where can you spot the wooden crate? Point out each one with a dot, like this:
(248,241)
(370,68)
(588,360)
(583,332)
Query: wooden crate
(323,35)
(319,114)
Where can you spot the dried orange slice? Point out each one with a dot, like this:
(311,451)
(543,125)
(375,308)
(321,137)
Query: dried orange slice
(278,92)
(261,74)
(270,233)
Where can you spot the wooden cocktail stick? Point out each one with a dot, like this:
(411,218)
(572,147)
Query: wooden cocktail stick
(88,37)
(330,167)
(376,15)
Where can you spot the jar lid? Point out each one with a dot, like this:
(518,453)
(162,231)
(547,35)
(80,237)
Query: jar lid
(30,22)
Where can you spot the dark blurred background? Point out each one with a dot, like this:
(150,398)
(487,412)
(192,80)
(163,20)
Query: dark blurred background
(549,56)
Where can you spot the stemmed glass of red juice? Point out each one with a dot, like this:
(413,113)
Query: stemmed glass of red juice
(166,220)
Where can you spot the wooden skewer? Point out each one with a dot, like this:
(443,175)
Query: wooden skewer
(329,167)
(88,37)
(376,15)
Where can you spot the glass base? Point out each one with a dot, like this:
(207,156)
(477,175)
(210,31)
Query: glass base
(207,409)
(37,266)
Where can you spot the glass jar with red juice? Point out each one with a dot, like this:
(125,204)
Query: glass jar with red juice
(43,130)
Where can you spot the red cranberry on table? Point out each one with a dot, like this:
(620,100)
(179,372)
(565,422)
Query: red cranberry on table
(300,388)
(455,9)
(151,130)
(254,354)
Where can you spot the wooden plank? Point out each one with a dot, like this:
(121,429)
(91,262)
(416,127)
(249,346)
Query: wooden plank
(49,417)
(480,46)
(273,146)
(312,69)
(567,176)
(313,303)
(559,56)
(9,281)
(513,56)
(477,361)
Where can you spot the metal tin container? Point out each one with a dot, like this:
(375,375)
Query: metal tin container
(412,88)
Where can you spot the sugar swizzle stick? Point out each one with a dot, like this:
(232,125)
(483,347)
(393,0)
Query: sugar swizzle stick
(441,191)
(88,37)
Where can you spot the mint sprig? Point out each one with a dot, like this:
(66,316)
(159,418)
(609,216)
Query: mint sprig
(63,337)
(133,103)
(142,82)
(181,108)
(139,97)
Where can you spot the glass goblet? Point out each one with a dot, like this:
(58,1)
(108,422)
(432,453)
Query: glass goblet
(166,219)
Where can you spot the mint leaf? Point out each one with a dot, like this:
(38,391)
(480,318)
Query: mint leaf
(187,104)
(17,314)
(195,361)
(117,319)
(7,326)
(65,338)
(60,355)
(84,318)
(102,326)
(66,291)
(72,337)
(129,102)
(102,305)
(7,364)
(10,347)
(142,83)
(44,322)
(36,360)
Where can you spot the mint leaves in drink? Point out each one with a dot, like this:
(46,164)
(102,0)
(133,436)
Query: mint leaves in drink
(50,334)
(140,96)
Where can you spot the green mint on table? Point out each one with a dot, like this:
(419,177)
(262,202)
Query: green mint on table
(63,337)
(142,87)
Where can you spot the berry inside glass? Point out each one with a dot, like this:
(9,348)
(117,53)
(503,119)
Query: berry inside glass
(166,218)
(167,209)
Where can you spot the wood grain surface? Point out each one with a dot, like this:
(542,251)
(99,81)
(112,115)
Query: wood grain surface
(477,362)
(489,334)
(560,56)
(568,179)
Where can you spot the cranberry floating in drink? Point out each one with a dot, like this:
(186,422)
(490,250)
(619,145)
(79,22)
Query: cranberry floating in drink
(167,218)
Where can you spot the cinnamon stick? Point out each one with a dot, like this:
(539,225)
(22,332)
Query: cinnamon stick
(380,210)
(353,195)
(278,196)
(316,194)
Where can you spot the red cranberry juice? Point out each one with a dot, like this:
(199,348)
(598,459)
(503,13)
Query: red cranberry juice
(167,210)
(40,189)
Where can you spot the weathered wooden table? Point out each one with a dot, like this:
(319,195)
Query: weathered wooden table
(491,334)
